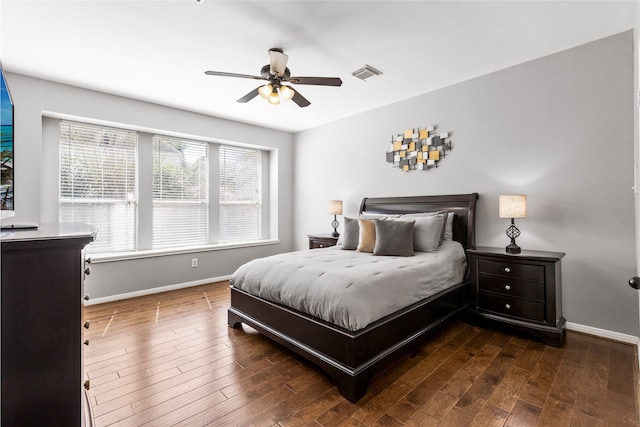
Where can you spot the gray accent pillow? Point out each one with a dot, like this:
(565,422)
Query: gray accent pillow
(394,238)
(350,234)
(429,232)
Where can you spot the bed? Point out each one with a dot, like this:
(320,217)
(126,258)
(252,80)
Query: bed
(351,357)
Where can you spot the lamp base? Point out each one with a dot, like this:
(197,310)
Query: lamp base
(513,248)
(513,232)
(335,225)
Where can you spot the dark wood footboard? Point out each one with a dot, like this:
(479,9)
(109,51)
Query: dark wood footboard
(350,358)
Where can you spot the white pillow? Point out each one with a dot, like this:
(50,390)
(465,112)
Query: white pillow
(376,216)
(427,231)
(448,227)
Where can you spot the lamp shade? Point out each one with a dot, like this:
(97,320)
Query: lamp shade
(335,207)
(513,206)
(286,93)
(274,98)
(265,91)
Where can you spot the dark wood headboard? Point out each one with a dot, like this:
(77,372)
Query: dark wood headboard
(463,205)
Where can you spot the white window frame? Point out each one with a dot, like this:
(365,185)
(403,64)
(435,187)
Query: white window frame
(246,201)
(128,203)
(201,202)
(50,194)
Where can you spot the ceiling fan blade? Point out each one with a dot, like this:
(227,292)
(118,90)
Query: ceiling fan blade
(321,81)
(300,100)
(248,97)
(223,74)
(278,61)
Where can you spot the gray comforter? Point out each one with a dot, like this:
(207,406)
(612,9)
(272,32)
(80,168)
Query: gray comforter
(351,289)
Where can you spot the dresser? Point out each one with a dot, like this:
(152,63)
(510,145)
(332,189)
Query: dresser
(520,291)
(321,240)
(42,326)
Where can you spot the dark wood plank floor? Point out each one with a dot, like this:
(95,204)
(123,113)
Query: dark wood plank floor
(170,359)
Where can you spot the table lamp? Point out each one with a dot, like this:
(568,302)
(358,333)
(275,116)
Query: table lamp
(335,208)
(513,206)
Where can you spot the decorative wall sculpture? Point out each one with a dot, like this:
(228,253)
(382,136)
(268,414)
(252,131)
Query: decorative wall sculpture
(418,149)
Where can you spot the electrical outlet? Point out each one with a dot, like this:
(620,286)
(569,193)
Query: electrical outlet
(194,262)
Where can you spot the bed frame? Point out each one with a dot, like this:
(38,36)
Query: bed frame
(350,358)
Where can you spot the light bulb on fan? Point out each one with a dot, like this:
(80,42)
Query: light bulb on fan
(286,92)
(265,91)
(274,98)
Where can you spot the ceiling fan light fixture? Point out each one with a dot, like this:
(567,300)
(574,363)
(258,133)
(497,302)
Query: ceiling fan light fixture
(275,73)
(274,99)
(265,91)
(286,92)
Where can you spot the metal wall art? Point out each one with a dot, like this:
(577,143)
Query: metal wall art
(418,149)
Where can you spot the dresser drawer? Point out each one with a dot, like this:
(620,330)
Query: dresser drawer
(528,310)
(511,286)
(512,269)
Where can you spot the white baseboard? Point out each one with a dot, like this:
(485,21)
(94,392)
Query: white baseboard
(152,291)
(603,333)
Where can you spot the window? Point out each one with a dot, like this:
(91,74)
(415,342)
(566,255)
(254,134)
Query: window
(240,194)
(152,192)
(98,183)
(179,192)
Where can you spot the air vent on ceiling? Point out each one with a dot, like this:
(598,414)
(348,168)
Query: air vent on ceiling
(366,72)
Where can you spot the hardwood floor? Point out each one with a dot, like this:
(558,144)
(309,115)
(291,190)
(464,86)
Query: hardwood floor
(170,359)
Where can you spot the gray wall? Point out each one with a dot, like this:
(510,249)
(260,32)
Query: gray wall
(36,169)
(558,129)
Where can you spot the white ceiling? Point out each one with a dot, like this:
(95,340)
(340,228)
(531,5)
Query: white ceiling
(158,50)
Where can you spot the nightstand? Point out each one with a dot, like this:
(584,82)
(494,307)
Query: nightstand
(321,240)
(521,291)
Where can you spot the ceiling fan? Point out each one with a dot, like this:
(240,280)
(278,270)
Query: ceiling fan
(277,73)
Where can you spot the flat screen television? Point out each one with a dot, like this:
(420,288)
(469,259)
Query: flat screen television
(6,148)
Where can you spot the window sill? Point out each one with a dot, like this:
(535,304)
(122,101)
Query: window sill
(152,253)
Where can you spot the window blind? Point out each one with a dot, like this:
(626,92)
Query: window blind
(179,192)
(240,194)
(97,183)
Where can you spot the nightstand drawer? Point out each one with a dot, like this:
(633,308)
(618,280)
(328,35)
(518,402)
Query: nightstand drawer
(512,307)
(512,269)
(511,286)
(317,241)
(316,244)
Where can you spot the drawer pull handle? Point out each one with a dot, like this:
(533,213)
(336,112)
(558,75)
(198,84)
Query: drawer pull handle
(86,342)
(507,287)
(86,324)
(87,385)
(507,270)
(87,297)
(87,271)
(507,306)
